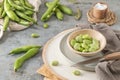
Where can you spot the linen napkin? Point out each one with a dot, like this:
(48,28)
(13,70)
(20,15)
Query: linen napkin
(107,70)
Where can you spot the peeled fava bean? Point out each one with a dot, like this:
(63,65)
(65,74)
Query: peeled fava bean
(77,46)
(72,42)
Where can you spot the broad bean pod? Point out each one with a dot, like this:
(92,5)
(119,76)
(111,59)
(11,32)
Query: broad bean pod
(6,23)
(49,11)
(3,14)
(29,13)
(23,4)
(24,16)
(11,2)
(30,53)
(58,13)
(9,12)
(65,9)
(28,4)
(23,49)
(25,23)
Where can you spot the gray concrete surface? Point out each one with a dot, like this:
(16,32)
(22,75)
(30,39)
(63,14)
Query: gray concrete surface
(16,39)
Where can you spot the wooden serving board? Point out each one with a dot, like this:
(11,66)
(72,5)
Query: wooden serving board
(55,49)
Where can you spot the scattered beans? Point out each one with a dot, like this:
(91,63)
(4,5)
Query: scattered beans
(45,25)
(55,63)
(76,73)
(35,35)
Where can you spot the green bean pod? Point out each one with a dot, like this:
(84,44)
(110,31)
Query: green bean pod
(18,3)
(25,23)
(23,49)
(9,12)
(23,4)
(78,14)
(30,53)
(29,13)
(6,23)
(1,11)
(58,13)
(11,2)
(3,14)
(24,16)
(28,4)
(49,11)
(65,9)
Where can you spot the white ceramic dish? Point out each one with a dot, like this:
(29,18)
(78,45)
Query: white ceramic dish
(55,50)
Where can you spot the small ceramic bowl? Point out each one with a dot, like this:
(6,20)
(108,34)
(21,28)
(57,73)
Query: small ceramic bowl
(94,34)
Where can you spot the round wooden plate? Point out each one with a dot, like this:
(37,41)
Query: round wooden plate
(56,49)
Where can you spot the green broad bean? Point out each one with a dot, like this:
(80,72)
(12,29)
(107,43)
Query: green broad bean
(23,49)
(87,41)
(59,14)
(86,36)
(19,61)
(79,38)
(77,46)
(11,2)
(49,11)
(9,12)
(55,63)
(28,4)
(72,42)
(65,9)
(25,23)
(6,23)
(81,49)
(24,16)
(35,35)
(84,45)
(45,25)
(76,72)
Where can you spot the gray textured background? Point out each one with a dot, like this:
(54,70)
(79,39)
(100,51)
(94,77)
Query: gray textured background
(16,39)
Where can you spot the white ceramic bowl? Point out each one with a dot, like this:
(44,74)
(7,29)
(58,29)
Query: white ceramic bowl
(94,34)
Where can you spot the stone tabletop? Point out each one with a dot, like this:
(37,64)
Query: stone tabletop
(15,39)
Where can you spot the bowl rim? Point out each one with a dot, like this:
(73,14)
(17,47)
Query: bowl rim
(85,53)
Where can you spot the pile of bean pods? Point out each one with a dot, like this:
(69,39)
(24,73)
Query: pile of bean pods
(19,11)
(30,51)
(56,8)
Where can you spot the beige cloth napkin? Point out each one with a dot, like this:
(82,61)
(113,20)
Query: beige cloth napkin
(108,70)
